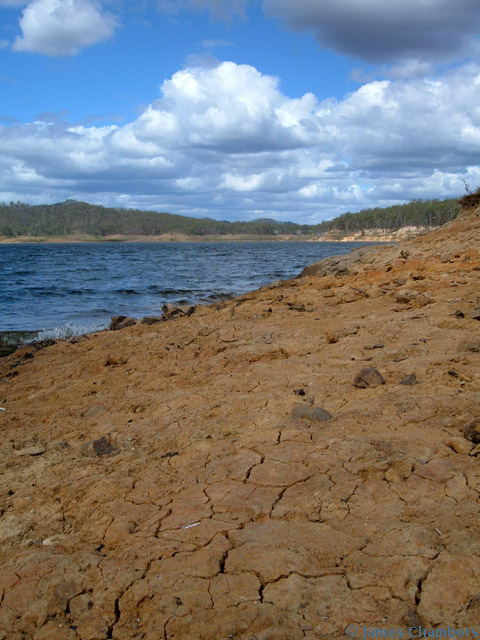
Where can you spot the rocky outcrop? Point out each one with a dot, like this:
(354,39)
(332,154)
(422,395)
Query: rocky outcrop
(220,475)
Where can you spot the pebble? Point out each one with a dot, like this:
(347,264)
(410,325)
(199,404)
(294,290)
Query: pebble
(472,431)
(33,450)
(368,377)
(314,414)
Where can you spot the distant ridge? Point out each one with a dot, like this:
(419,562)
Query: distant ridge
(73,218)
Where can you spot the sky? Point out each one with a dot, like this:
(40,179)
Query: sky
(297,110)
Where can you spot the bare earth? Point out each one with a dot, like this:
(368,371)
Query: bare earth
(165,481)
(369,235)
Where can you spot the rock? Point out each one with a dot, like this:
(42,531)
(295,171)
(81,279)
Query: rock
(299,392)
(405,297)
(332,338)
(459,314)
(459,445)
(314,414)
(339,265)
(413,297)
(100,448)
(121,322)
(475,315)
(469,344)
(6,350)
(409,380)
(186,309)
(472,431)
(377,345)
(42,344)
(32,450)
(171,311)
(151,319)
(368,377)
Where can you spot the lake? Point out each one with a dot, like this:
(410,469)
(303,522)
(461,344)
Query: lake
(67,289)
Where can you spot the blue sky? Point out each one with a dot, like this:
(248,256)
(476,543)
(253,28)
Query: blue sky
(237,109)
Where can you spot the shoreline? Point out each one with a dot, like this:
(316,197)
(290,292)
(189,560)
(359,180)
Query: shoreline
(369,235)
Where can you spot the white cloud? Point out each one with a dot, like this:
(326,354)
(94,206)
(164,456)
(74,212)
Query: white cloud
(63,27)
(227,142)
(384,31)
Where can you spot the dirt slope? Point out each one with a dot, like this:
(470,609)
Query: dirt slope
(180,480)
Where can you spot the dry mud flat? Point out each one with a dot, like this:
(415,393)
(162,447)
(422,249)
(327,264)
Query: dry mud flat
(236,474)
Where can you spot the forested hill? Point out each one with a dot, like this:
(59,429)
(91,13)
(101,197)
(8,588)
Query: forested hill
(75,218)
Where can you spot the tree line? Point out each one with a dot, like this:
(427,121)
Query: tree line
(78,218)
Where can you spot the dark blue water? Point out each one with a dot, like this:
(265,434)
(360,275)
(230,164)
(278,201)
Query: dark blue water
(75,288)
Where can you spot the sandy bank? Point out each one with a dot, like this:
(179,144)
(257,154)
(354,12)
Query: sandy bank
(336,236)
(237,473)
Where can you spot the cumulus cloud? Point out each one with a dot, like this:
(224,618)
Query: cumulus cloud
(379,31)
(63,27)
(226,142)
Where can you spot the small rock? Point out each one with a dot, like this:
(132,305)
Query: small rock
(368,377)
(475,315)
(32,450)
(452,373)
(101,447)
(472,431)
(299,392)
(151,319)
(121,322)
(332,338)
(469,344)
(459,445)
(409,380)
(459,314)
(405,297)
(314,414)
(377,345)
(186,309)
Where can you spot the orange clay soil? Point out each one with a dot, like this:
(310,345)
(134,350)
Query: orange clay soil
(166,481)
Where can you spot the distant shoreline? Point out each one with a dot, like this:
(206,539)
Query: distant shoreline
(369,235)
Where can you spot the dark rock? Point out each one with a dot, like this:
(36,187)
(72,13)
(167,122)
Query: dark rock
(151,319)
(101,447)
(368,377)
(7,349)
(475,315)
(469,344)
(42,344)
(172,311)
(377,345)
(121,322)
(299,392)
(452,373)
(186,309)
(169,309)
(409,380)
(314,414)
(459,314)
(472,431)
